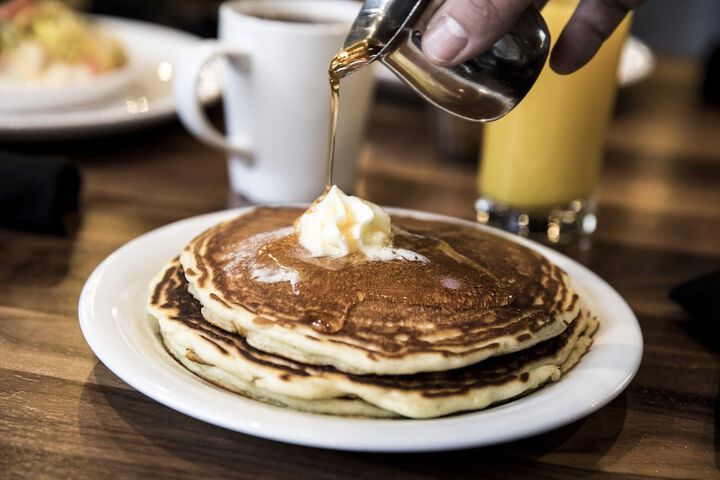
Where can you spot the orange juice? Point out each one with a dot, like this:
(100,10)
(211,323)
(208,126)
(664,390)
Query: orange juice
(547,152)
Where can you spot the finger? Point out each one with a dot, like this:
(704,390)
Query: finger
(461,29)
(590,25)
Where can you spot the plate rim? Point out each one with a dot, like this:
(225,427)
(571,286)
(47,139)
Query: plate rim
(315,437)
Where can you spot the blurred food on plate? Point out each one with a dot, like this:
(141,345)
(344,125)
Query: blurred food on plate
(46,42)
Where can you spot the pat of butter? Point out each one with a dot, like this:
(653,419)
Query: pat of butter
(337,224)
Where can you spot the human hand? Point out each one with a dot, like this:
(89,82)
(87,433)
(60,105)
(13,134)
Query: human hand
(462,29)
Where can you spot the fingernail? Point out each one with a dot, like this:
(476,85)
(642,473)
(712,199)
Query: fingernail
(445,39)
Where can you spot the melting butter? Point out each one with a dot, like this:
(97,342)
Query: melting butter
(337,225)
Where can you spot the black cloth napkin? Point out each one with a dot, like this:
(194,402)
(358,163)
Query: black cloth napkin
(37,193)
(701,299)
(711,81)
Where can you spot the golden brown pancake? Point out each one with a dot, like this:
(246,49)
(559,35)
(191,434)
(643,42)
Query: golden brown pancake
(477,295)
(229,360)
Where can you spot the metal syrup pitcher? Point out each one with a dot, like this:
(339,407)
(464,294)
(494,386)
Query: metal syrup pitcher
(483,88)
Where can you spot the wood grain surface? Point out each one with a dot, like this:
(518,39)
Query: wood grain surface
(65,415)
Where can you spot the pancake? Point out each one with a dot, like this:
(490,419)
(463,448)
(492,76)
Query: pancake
(228,360)
(471,296)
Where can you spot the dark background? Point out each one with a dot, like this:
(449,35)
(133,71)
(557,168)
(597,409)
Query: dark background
(670,27)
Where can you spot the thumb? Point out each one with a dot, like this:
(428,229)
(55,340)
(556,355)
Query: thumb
(462,29)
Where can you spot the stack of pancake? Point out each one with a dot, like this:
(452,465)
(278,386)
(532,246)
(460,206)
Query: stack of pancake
(474,321)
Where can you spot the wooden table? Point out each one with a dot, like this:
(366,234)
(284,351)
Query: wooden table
(64,415)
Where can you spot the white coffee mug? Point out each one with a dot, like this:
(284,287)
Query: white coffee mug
(277,97)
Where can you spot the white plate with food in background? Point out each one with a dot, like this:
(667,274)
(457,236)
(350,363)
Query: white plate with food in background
(52,56)
(27,98)
(113,318)
(138,95)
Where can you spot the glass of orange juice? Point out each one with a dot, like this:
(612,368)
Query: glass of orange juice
(540,164)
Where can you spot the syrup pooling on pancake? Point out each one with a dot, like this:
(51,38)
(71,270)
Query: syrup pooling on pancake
(474,288)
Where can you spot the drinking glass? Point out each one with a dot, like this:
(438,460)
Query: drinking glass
(541,163)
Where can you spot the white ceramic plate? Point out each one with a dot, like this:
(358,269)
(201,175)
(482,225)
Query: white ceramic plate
(145,99)
(19,97)
(637,61)
(115,325)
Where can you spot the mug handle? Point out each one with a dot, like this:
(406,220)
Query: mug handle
(189,108)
